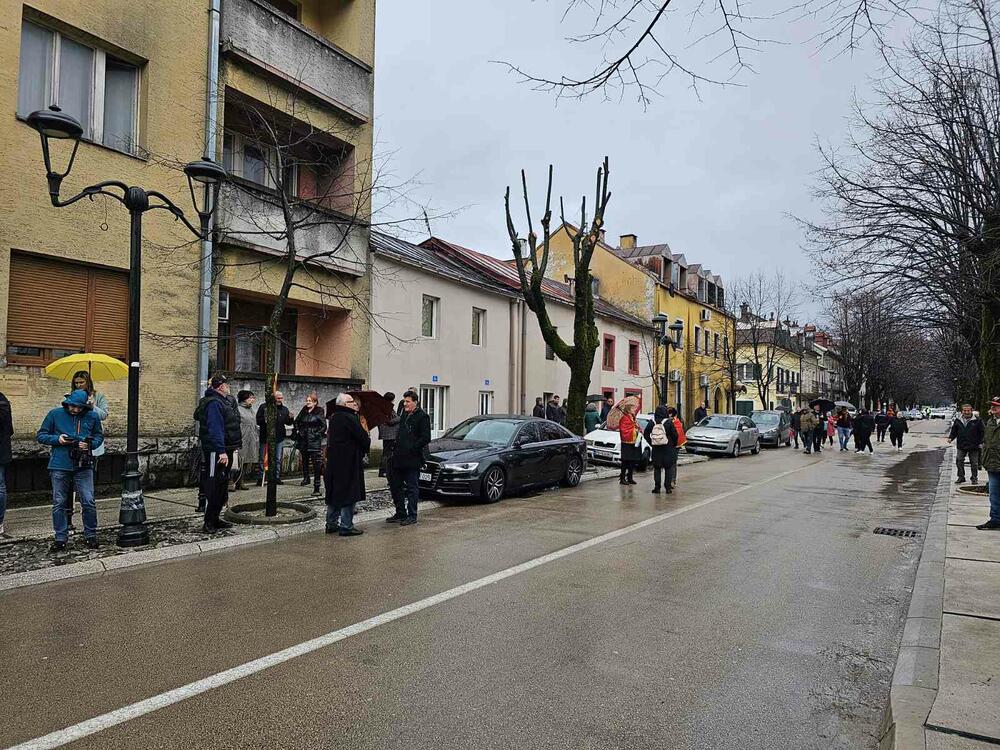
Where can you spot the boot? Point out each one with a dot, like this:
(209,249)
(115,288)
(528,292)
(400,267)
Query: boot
(621,476)
(630,480)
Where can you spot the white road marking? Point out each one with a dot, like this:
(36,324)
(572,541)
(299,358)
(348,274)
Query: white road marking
(149,705)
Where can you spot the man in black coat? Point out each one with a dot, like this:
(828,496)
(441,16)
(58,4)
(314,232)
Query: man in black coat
(539,410)
(881,425)
(701,412)
(284,418)
(606,407)
(970,433)
(796,426)
(864,425)
(6,430)
(346,446)
(407,459)
(554,412)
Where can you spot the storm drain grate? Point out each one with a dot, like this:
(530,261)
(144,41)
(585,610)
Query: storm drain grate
(889,531)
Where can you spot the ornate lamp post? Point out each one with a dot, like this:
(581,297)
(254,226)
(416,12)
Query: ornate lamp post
(670,342)
(54,125)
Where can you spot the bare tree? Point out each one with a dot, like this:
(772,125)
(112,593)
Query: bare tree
(532,259)
(765,299)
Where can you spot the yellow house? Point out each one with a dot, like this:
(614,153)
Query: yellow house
(768,356)
(648,280)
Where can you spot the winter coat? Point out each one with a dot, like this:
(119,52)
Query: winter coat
(346,446)
(6,430)
(679,427)
(990,458)
(969,434)
(897,426)
(881,419)
(591,418)
(284,417)
(79,427)
(844,420)
(413,437)
(605,410)
(831,425)
(387,432)
(218,423)
(309,429)
(555,413)
(699,414)
(538,411)
(100,407)
(864,426)
(248,429)
(662,455)
(796,421)
(809,421)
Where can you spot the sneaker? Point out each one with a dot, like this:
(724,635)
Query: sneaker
(92,543)
(57,546)
(350,532)
(394,518)
(409,520)
(989,525)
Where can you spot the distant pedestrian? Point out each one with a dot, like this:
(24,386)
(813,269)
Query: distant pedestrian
(631,453)
(310,428)
(539,410)
(864,425)
(346,446)
(591,418)
(404,479)
(701,412)
(843,424)
(796,426)
(250,438)
(809,423)
(282,420)
(675,417)
(661,435)
(991,462)
(218,427)
(554,411)
(881,425)
(6,431)
(73,431)
(897,428)
(387,434)
(822,430)
(99,406)
(970,432)
(831,427)
(607,406)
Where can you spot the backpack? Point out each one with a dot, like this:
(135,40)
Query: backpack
(658,435)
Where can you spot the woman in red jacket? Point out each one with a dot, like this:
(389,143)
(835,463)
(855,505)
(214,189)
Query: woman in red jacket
(628,430)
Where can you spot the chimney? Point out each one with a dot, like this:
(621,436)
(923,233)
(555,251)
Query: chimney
(744,312)
(627,241)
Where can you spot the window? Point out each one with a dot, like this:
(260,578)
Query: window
(638,394)
(100,91)
(707,348)
(478,329)
(429,317)
(241,339)
(633,357)
(725,346)
(39,331)
(608,392)
(258,163)
(529,434)
(609,352)
(697,340)
(433,400)
(551,431)
(747,372)
(486,402)
(715,346)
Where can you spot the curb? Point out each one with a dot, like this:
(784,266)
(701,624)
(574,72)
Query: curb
(191,549)
(915,677)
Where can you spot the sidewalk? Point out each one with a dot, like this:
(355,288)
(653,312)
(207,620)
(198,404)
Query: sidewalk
(946,687)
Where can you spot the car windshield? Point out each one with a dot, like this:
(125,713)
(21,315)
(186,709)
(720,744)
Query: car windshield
(722,422)
(763,419)
(493,431)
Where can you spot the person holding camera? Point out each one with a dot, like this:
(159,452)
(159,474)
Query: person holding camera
(73,431)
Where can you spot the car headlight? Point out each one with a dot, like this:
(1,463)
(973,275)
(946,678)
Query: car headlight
(462,467)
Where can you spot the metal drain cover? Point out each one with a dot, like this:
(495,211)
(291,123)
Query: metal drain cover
(889,531)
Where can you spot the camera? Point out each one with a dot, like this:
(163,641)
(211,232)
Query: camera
(82,458)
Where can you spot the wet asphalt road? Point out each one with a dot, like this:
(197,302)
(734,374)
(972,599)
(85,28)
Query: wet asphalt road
(769,618)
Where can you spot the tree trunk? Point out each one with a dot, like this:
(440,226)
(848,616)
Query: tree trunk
(271,409)
(576,398)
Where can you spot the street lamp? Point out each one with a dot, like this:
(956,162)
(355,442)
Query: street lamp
(670,342)
(55,125)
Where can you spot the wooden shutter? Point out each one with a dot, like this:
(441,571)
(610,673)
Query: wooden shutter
(46,306)
(109,314)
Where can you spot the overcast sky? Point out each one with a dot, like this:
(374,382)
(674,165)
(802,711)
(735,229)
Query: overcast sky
(713,177)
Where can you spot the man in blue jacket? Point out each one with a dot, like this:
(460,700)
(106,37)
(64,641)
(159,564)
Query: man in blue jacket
(216,419)
(73,431)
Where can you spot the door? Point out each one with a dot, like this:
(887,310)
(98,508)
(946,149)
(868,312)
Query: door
(748,433)
(527,462)
(434,400)
(556,443)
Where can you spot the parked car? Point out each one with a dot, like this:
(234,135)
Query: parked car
(775,427)
(491,455)
(944,413)
(724,434)
(606,445)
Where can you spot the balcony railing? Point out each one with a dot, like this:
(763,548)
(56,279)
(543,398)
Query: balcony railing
(249,219)
(284,48)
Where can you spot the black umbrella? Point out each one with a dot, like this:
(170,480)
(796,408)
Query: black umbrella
(595,398)
(824,404)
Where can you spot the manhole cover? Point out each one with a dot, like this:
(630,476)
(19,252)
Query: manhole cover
(889,531)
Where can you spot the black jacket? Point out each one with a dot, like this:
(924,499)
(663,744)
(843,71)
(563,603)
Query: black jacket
(969,435)
(284,418)
(898,425)
(6,430)
(881,419)
(538,411)
(310,426)
(231,421)
(414,436)
(555,413)
(346,446)
(700,413)
(864,425)
(796,421)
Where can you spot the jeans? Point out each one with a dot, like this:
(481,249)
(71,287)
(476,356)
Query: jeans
(994,495)
(316,459)
(3,492)
(280,449)
(961,454)
(217,484)
(70,498)
(405,491)
(64,482)
(843,433)
(342,517)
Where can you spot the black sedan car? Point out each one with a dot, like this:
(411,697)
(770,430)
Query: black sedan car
(489,456)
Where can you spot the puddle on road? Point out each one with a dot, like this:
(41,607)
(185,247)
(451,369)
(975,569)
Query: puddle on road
(909,487)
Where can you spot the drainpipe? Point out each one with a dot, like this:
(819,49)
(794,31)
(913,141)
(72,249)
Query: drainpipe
(524,353)
(205,266)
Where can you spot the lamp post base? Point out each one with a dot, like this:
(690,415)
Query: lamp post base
(133,532)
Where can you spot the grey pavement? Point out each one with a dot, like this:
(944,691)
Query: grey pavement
(753,608)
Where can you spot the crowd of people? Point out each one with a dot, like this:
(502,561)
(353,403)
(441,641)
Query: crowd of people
(814,427)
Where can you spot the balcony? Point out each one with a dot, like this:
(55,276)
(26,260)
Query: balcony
(285,49)
(248,218)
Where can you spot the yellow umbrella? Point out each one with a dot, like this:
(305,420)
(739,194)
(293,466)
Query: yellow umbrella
(100,366)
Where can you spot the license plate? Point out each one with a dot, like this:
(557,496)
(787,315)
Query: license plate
(425,477)
(604,454)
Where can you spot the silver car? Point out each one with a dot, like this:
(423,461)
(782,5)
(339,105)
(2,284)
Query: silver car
(724,434)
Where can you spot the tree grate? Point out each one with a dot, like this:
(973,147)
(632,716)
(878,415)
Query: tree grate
(889,531)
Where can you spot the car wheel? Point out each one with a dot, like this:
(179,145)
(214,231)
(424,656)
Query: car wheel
(574,472)
(644,463)
(494,484)
(755,450)
(736,449)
